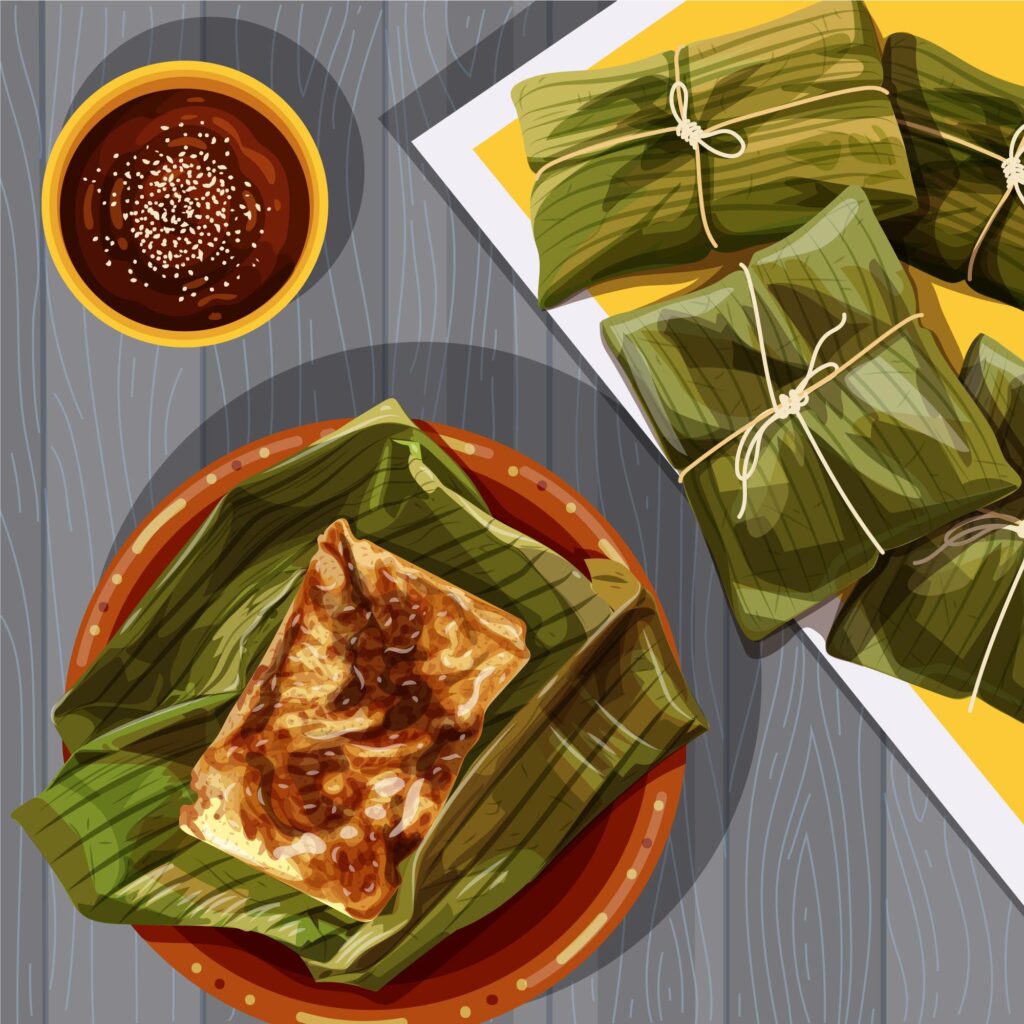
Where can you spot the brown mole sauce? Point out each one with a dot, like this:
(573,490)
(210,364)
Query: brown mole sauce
(382,718)
(184,209)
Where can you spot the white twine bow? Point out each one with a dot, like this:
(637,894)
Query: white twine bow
(790,403)
(962,535)
(692,133)
(696,136)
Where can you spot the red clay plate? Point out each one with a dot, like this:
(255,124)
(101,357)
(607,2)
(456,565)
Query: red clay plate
(536,938)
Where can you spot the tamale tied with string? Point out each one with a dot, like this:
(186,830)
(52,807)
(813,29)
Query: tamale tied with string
(946,613)
(813,420)
(964,132)
(716,145)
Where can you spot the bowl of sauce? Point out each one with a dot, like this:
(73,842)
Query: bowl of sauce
(184,203)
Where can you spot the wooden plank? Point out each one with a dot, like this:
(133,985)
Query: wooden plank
(326,60)
(24,503)
(418,222)
(322,357)
(666,962)
(445,289)
(805,850)
(121,421)
(486,309)
(954,941)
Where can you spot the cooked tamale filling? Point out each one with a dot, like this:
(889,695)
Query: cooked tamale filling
(342,748)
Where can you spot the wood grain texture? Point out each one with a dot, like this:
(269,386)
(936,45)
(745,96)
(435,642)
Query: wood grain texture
(667,961)
(805,852)
(116,412)
(22,558)
(327,61)
(808,877)
(954,938)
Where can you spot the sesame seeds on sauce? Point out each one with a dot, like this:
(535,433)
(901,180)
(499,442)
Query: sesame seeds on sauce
(184,210)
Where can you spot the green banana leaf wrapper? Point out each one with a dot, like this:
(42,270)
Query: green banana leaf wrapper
(903,437)
(634,206)
(931,623)
(155,697)
(958,187)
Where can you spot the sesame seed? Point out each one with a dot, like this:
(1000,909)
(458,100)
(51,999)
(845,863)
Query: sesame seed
(181,208)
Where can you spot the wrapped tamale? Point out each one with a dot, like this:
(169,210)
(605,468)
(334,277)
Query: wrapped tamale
(207,674)
(964,132)
(721,144)
(813,419)
(947,613)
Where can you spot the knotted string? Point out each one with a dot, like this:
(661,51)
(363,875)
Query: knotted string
(697,138)
(1012,167)
(695,135)
(790,404)
(692,133)
(966,533)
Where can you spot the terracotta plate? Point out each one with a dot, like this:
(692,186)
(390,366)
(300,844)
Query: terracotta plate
(536,938)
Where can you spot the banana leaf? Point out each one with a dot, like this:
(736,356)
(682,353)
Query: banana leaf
(927,613)
(155,697)
(634,206)
(905,441)
(606,717)
(959,188)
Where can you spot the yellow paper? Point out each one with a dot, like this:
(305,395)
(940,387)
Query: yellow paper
(988,36)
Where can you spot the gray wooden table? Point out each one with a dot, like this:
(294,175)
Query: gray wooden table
(809,876)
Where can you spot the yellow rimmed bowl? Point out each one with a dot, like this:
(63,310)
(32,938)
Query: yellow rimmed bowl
(215,79)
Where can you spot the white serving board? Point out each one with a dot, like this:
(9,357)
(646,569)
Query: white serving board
(449,148)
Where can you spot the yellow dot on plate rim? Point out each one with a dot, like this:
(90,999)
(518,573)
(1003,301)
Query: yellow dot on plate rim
(250,999)
(264,452)
(211,478)
(631,874)
(465,1011)
(196,968)
(659,805)
(116,578)
(522,984)
(513,471)
(570,507)
(94,630)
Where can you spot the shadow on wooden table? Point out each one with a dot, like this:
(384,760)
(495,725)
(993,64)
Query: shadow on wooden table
(291,71)
(596,448)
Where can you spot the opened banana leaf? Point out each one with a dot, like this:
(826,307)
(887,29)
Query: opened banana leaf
(606,717)
(860,437)
(929,613)
(618,192)
(156,696)
(959,125)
